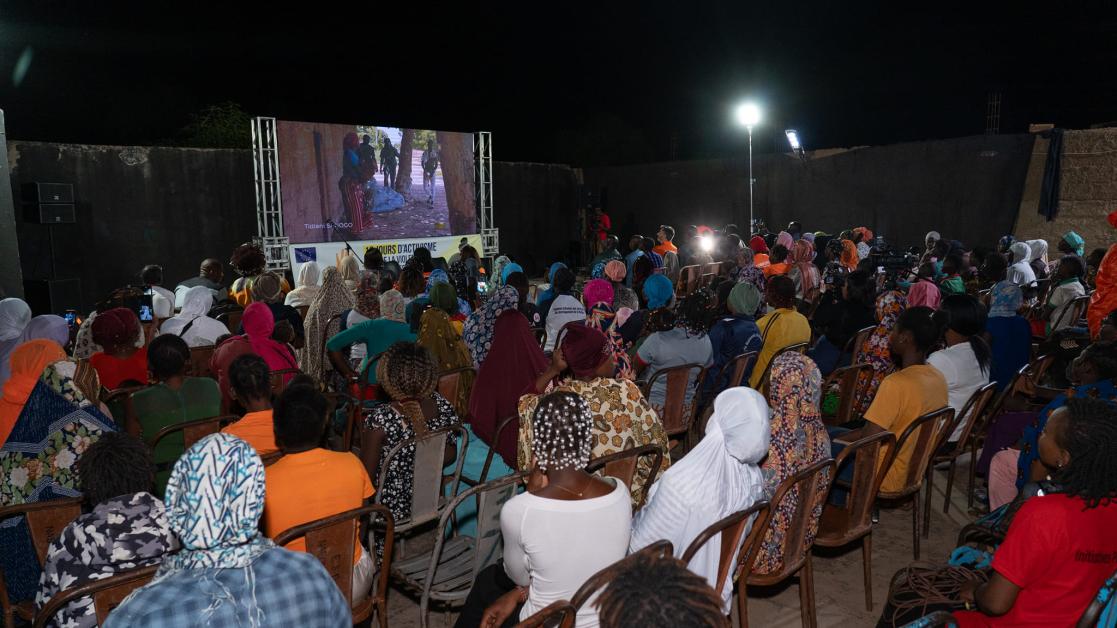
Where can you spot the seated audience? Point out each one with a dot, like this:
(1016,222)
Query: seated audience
(849,258)
(332,300)
(680,339)
(1066,287)
(162,300)
(209,276)
(565,528)
(518,280)
(1045,572)
(192,324)
(876,350)
(622,418)
(367,299)
(598,295)
(250,382)
(126,528)
(249,262)
(438,335)
(295,493)
(804,274)
(964,362)
(407,374)
(174,398)
(681,597)
(658,294)
(268,289)
(745,271)
(951,281)
(15,316)
(924,291)
(349,268)
(563,308)
(608,254)
(258,327)
(797,440)
(412,283)
(782,327)
(1021,272)
(635,252)
(840,315)
(1038,258)
(623,296)
(733,334)
(120,362)
(228,573)
(374,336)
(778,263)
(306,286)
(718,477)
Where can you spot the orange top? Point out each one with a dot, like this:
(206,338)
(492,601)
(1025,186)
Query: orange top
(255,428)
(28,362)
(312,485)
(760,260)
(663,247)
(779,268)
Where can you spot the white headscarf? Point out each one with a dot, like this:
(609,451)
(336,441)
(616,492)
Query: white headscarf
(306,287)
(15,316)
(720,476)
(1021,252)
(1038,250)
(1021,273)
(204,331)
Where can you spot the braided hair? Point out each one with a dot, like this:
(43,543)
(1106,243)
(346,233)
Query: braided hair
(658,592)
(563,432)
(1090,437)
(695,312)
(407,373)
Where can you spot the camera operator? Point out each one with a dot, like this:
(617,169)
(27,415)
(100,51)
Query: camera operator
(845,309)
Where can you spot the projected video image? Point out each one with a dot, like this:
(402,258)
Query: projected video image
(342,182)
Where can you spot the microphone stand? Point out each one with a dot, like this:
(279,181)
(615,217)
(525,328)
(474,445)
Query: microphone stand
(330,223)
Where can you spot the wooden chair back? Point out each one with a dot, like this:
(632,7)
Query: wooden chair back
(193,431)
(107,594)
(731,530)
(332,541)
(809,488)
(335,400)
(688,279)
(451,382)
(678,409)
(280,378)
(857,343)
(199,361)
(553,615)
(660,549)
(847,379)
(706,280)
(737,368)
(919,442)
(799,347)
(1102,601)
(713,268)
(872,458)
(45,520)
(971,413)
(426,482)
(231,320)
(622,465)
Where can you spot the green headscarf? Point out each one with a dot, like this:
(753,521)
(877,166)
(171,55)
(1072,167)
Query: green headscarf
(744,298)
(444,297)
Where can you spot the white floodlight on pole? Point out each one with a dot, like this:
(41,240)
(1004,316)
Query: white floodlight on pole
(793,139)
(748,115)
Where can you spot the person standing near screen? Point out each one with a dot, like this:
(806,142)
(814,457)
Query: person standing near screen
(389,161)
(430,165)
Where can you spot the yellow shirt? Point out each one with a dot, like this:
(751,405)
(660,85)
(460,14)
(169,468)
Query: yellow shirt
(903,397)
(256,429)
(790,327)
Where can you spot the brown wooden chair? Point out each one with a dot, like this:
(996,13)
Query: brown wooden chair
(732,373)
(199,361)
(554,615)
(278,378)
(981,430)
(332,541)
(919,440)
(842,525)
(970,415)
(119,403)
(799,347)
(1070,313)
(688,279)
(45,521)
(107,594)
(450,383)
(846,379)
(335,400)
(713,268)
(302,310)
(854,347)
(706,280)
(813,484)
(679,408)
(622,465)
(731,529)
(193,431)
(661,549)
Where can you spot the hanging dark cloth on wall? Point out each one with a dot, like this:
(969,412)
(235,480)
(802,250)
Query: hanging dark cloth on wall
(1049,193)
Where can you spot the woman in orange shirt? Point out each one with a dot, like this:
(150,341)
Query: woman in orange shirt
(250,382)
(778,265)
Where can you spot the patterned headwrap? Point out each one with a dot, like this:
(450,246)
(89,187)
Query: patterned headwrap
(215,497)
(1006,242)
(437,276)
(1005,299)
(597,291)
(368,295)
(615,270)
(267,287)
(785,239)
(478,330)
(392,307)
(498,269)
(876,349)
(77,382)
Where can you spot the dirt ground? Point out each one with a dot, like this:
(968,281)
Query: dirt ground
(839,594)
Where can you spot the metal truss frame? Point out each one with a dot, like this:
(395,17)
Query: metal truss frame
(269,201)
(490,234)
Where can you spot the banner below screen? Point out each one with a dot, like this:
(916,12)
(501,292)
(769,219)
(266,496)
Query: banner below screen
(325,253)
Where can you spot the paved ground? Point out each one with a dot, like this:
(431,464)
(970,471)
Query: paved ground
(839,594)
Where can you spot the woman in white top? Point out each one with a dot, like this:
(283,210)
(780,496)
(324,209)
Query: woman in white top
(1020,272)
(564,308)
(192,324)
(306,286)
(1066,287)
(965,360)
(567,526)
(719,477)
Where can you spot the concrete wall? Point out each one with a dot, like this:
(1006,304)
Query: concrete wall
(536,208)
(1087,194)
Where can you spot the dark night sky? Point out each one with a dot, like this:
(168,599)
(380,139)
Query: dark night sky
(585,83)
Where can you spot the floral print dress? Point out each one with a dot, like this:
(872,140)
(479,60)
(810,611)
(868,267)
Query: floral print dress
(622,419)
(875,350)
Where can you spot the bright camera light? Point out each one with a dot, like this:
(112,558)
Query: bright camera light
(707,243)
(748,114)
(793,139)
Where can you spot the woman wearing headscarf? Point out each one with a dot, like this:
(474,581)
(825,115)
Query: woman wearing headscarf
(717,478)
(1010,334)
(864,236)
(623,296)
(289,328)
(747,272)
(392,306)
(1038,257)
(466,271)
(784,238)
(49,327)
(258,325)
(56,420)
(1021,272)
(498,270)
(622,418)
(734,334)
(760,251)
(547,292)
(15,316)
(508,359)
(333,299)
(438,335)
(249,261)
(803,271)
(228,573)
(658,294)
(120,362)
(376,335)
(849,257)
(192,324)
(798,440)
(875,349)
(597,295)
(349,268)
(438,277)
(306,286)
(685,341)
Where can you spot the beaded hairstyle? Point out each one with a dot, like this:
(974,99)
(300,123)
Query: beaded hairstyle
(563,432)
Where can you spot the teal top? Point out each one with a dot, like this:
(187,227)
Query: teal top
(377,334)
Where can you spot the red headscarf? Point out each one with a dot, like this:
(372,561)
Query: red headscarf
(116,328)
(28,361)
(584,348)
(758,245)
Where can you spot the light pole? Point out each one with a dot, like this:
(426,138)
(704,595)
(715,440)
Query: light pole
(748,114)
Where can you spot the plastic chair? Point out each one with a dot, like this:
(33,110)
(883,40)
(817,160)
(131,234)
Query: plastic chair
(45,521)
(842,525)
(971,413)
(622,465)
(679,407)
(199,361)
(846,378)
(446,573)
(332,541)
(427,500)
(924,435)
(799,347)
(813,485)
(107,594)
(730,531)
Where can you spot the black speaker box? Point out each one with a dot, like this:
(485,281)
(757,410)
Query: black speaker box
(36,193)
(52,296)
(50,213)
